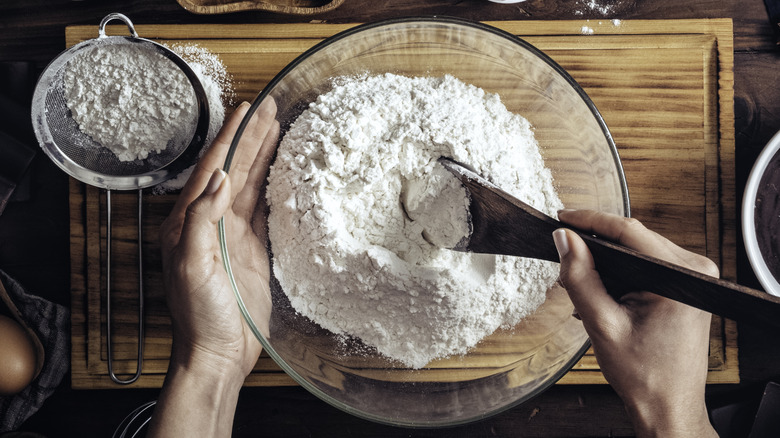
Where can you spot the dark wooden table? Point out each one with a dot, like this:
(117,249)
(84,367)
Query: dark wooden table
(34,227)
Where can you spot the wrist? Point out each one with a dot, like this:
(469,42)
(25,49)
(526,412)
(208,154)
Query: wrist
(206,365)
(663,419)
(199,396)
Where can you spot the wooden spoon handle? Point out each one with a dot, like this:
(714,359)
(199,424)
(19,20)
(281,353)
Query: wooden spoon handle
(624,270)
(503,224)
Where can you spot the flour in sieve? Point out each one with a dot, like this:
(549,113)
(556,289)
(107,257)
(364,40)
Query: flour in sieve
(347,254)
(129,99)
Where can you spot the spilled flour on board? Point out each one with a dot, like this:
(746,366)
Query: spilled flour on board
(218,85)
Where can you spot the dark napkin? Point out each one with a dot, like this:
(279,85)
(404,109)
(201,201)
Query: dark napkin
(51,322)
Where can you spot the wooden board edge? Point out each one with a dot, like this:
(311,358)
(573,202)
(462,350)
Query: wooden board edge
(78,288)
(77,33)
(82,380)
(582,377)
(724,30)
(94,274)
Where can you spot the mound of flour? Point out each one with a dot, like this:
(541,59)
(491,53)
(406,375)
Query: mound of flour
(131,100)
(351,257)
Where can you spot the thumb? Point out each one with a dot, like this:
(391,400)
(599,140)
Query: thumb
(198,231)
(581,280)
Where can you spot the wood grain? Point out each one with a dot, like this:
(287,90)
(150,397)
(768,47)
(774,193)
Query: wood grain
(503,224)
(665,89)
(291,7)
(39,36)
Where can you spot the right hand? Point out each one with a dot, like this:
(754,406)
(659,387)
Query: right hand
(213,347)
(206,320)
(652,350)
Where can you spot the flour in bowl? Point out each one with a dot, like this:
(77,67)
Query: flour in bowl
(349,248)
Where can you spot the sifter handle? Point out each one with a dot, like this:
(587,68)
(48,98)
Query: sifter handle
(116,16)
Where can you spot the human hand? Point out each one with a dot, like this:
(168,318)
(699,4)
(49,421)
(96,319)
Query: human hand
(207,324)
(652,350)
(213,348)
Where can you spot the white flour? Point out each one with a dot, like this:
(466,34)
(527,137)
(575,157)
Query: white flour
(218,85)
(439,204)
(344,251)
(129,99)
(603,7)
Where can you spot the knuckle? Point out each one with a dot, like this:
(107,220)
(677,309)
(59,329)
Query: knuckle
(632,222)
(629,226)
(633,225)
(192,212)
(706,266)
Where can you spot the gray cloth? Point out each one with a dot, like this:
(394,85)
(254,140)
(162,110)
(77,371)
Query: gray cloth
(52,324)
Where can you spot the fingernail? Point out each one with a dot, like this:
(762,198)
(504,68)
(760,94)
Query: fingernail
(215,182)
(561,242)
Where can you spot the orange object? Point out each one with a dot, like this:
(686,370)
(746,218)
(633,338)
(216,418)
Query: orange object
(17,357)
(21,352)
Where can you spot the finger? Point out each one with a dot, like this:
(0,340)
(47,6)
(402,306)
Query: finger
(626,231)
(213,158)
(170,230)
(582,282)
(247,201)
(253,139)
(198,235)
(633,234)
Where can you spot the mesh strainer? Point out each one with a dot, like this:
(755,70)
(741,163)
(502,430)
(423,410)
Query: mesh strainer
(89,162)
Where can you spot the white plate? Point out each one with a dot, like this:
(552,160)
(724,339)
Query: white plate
(768,281)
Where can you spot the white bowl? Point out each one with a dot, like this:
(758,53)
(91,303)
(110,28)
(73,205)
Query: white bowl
(750,233)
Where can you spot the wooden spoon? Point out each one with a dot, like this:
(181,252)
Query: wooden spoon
(502,224)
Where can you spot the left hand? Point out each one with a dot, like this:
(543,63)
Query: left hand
(208,326)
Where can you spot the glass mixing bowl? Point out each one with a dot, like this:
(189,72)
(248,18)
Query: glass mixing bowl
(509,366)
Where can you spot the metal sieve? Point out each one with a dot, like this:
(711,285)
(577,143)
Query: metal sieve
(89,162)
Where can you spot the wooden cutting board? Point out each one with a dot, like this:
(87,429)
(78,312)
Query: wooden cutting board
(665,89)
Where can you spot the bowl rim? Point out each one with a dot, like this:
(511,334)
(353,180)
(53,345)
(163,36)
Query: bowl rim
(266,91)
(757,262)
